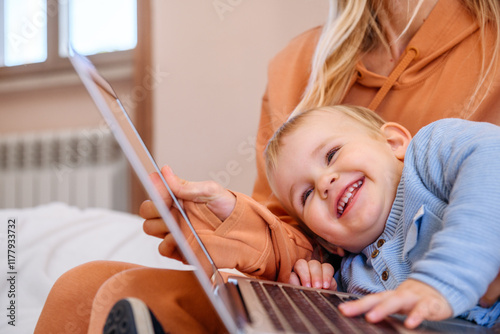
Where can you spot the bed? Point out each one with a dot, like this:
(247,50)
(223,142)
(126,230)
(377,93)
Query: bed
(50,239)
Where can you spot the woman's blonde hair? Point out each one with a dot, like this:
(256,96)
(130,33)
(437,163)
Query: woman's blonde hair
(487,13)
(353,28)
(363,116)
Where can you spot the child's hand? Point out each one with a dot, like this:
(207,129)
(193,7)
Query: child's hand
(313,274)
(414,298)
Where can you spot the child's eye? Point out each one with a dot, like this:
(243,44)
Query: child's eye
(331,153)
(305,195)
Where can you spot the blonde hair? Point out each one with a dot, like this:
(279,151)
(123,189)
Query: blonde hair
(353,29)
(365,117)
(487,13)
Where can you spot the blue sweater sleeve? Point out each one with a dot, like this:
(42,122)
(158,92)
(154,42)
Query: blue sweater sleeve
(459,162)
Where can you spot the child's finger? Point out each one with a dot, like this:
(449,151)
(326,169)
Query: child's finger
(327,270)
(362,305)
(316,272)
(387,306)
(333,285)
(294,279)
(432,308)
(301,268)
(415,318)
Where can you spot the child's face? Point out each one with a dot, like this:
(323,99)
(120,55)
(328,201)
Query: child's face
(339,178)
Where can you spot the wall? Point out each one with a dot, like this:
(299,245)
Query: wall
(210,60)
(51,103)
(208,75)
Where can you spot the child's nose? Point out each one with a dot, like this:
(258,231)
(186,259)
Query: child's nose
(326,181)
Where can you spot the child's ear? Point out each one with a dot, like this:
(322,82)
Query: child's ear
(398,137)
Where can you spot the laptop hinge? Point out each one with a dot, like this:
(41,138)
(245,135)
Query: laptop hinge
(236,300)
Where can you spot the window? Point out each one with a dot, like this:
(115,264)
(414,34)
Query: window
(111,28)
(34,34)
(24,32)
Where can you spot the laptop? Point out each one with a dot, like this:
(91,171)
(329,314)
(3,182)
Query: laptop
(244,305)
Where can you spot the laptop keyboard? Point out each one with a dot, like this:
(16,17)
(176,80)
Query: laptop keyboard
(309,311)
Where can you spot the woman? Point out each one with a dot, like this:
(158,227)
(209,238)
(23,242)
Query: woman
(412,62)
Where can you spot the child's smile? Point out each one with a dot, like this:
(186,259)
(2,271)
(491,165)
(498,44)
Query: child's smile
(348,197)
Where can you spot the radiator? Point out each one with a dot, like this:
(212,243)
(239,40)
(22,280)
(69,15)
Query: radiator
(83,168)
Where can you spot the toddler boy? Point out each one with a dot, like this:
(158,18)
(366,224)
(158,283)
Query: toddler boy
(418,220)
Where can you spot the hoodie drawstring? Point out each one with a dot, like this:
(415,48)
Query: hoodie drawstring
(410,55)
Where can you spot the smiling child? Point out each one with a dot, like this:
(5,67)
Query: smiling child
(417,218)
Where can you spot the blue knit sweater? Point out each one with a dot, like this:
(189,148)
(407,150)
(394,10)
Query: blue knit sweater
(444,226)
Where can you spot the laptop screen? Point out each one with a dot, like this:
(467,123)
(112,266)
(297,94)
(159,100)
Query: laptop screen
(144,165)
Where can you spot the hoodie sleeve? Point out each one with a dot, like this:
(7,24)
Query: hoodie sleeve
(252,240)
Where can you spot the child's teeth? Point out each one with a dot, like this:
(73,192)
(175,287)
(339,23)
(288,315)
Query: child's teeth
(348,194)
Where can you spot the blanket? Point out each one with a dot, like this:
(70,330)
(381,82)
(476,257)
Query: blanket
(37,245)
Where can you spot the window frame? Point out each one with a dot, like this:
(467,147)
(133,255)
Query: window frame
(56,64)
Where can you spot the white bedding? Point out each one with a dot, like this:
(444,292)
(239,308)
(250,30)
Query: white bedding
(53,238)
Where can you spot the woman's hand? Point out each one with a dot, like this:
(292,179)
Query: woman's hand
(219,200)
(414,298)
(313,274)
(492,294)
